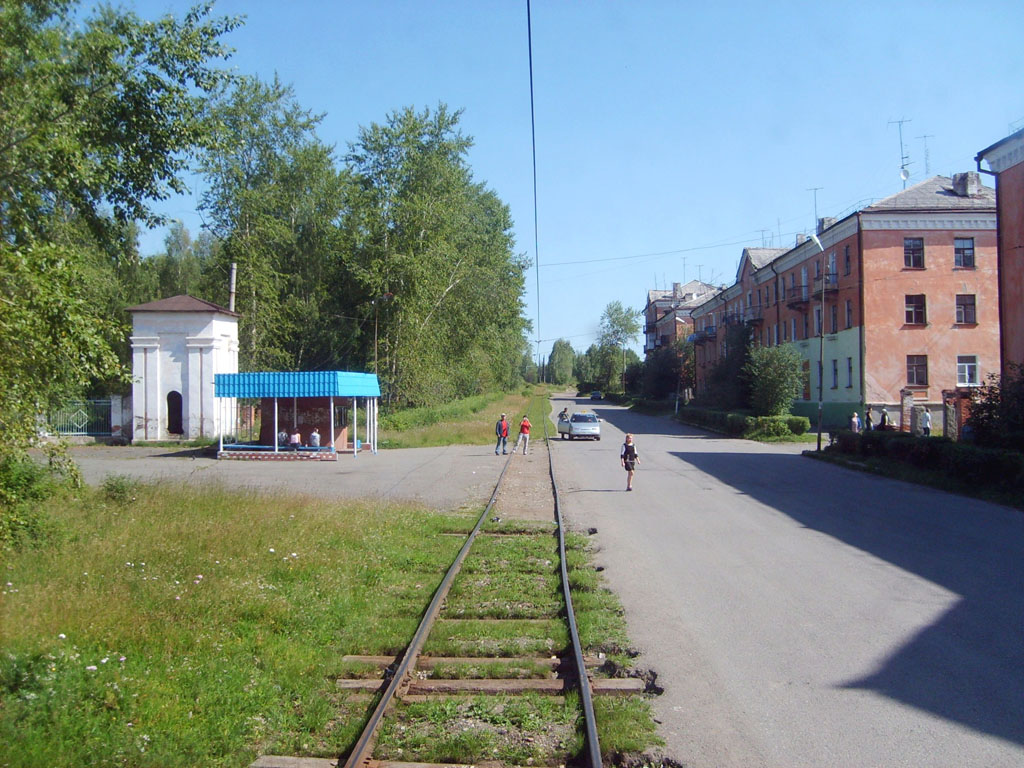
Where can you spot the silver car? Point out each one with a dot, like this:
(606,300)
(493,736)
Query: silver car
(582,424)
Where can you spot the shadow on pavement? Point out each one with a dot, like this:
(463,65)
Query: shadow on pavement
(968,666)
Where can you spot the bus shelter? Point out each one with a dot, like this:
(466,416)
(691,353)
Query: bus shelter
(301,402)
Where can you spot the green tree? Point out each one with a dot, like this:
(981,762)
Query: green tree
(997,410)
(561,362)
(775,377)
(275,199)
(619,326)
(728,388)
(99,116)
(422,230)
(662,371)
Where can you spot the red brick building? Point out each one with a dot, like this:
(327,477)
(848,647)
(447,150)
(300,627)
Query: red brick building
(667,313)
(902,303)
(1006,161)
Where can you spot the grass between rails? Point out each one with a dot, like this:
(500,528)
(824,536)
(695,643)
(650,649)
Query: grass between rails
(179,626)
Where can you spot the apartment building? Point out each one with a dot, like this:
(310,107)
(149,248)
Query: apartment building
(1006,162)
(900,303)
(667,313)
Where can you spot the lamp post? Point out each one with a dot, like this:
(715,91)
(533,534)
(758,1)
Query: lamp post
(821,341)
(376,302)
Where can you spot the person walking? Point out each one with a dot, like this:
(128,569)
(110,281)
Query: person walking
(868,426)
(501,430)
(926,422)
(629,460)
(855,423)
(524,435)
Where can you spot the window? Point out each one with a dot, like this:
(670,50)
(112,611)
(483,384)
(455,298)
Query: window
(835,374)
(913,252)
(846,260)
(915,309)
(963,252)
(966,312)
(835,318)
(917,370)
(966,370)
(849,313)
(817,269)
(806,334)
(818,328)
(849,373)
(793,327)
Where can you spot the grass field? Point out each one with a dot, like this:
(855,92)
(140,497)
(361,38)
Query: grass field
(175,625)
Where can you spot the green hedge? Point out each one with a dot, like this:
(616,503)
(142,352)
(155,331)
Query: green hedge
(961,461)
(742,425)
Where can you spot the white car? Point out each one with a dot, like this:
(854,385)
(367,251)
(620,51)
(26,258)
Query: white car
(582,424)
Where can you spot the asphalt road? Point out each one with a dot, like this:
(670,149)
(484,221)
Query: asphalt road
(801,614)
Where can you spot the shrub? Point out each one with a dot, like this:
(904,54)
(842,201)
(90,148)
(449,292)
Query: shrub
(798,424)
(24,485)
(120,489)
(767,426)
(735,423)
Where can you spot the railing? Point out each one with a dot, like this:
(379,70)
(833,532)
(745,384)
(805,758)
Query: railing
(753,314)
(81,417)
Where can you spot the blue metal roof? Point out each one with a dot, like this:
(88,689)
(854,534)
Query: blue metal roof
(296,384)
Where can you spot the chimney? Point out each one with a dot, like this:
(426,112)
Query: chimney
(801,239)
(825,222)
(677,290)
(231,288)
(967,184)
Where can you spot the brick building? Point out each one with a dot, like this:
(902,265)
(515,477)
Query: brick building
(902,301)
(1006,161)
(667,314)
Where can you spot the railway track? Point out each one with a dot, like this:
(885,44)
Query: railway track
(412,677)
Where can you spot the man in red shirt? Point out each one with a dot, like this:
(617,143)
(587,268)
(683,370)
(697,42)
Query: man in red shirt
(501,430)
(524,435)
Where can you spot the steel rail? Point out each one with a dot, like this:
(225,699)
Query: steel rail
(363,748)
(586,697)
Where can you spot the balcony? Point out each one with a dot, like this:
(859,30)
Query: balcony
(733,318)
(753,315)
(798,297)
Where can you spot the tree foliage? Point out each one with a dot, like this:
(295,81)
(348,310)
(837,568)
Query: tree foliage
(997,410)
(419,228)
(728,388)
(98,117)
(561,361)
(774,376)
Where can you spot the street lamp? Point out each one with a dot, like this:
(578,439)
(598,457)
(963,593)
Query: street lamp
(376,302)
(821,340)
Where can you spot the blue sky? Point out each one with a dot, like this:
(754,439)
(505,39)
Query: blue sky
(670,135)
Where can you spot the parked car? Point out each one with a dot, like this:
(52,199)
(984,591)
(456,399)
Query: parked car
(582,424)
(595,395)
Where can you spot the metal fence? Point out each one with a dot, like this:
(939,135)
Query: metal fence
(82,417)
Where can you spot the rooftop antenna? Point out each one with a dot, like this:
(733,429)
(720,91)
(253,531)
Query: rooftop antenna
(904,173)
(762,231)
(927,157)
(815,191)
(699,278)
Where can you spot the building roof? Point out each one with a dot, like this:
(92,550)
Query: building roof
(1005,153)
(759,257)
(936,193)
(296,384)
(182,303)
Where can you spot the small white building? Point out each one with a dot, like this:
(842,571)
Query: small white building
(178,345)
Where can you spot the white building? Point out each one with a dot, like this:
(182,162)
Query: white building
(178,344)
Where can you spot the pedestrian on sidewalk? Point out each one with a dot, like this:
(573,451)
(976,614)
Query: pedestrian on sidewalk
(524,435)
(629,460)
(501,430)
